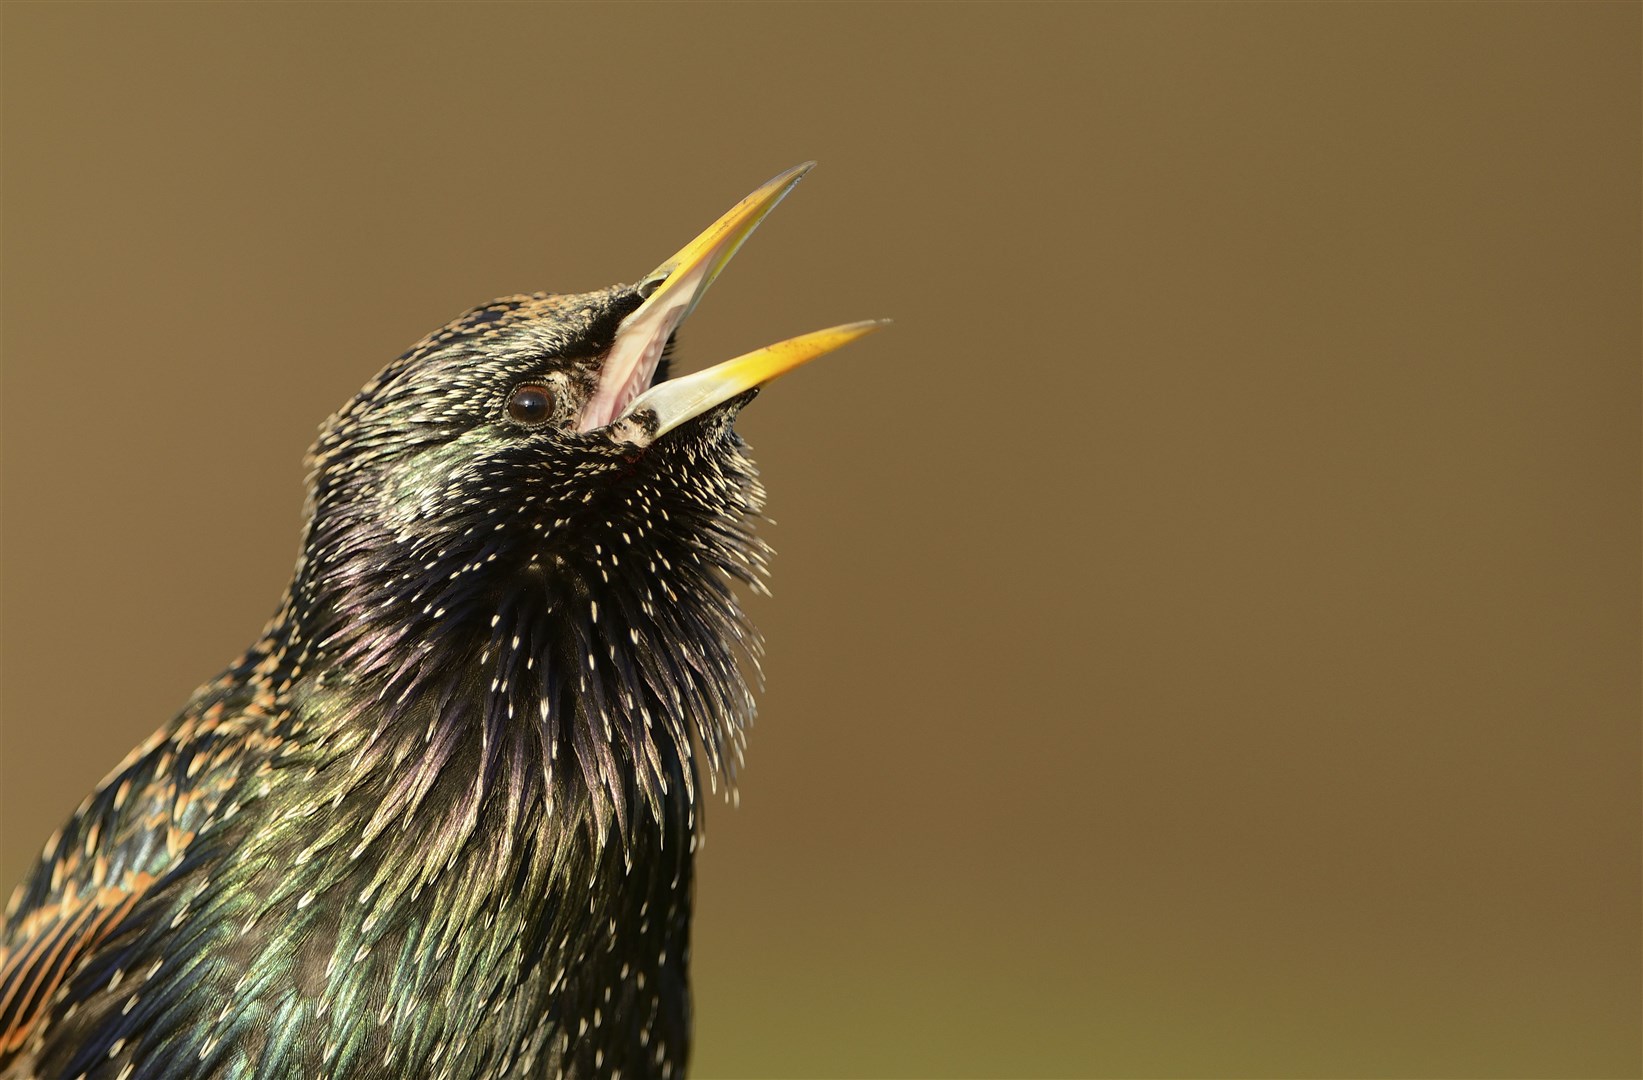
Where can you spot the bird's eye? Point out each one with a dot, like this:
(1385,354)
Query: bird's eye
(530,405)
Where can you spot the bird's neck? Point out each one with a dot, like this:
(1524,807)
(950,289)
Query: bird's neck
(508,791)
(576,666)
(467,877)
(481,795)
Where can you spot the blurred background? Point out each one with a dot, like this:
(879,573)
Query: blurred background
(1206,626)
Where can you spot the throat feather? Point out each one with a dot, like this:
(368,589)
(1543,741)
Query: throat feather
(585,666)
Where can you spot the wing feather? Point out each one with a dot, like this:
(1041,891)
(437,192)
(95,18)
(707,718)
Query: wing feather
(50,948)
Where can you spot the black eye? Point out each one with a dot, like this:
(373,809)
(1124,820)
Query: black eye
(530,405)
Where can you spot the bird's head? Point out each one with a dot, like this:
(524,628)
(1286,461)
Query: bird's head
(528,497)
(530,408)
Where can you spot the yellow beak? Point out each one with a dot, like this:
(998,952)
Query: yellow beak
(687,275)
(677,285)
(667,405)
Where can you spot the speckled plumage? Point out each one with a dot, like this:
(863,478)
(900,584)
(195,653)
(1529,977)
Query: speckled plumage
(439,820)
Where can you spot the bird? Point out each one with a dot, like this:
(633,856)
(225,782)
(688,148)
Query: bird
(440,819)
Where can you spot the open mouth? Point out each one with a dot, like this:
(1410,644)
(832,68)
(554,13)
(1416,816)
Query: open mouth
(630,366)
(626,402)
(618,390)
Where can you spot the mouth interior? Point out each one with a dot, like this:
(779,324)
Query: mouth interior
(640,348)
(651,369)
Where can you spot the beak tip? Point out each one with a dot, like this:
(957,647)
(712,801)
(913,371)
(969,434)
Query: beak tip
(866,326)
(785,182)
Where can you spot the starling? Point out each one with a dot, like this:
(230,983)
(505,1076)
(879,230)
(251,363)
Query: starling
(439,820)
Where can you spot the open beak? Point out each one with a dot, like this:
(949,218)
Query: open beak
(664,407)
(624,398)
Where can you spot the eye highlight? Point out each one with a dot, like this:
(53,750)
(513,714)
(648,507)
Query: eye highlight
(530,405)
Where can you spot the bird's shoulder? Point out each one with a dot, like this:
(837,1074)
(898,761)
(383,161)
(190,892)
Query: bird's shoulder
(127,835)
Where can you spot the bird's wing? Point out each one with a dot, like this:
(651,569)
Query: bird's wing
(50,943)
(91,875)
(123,839)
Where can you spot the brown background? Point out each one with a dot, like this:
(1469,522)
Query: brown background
(1206,626)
